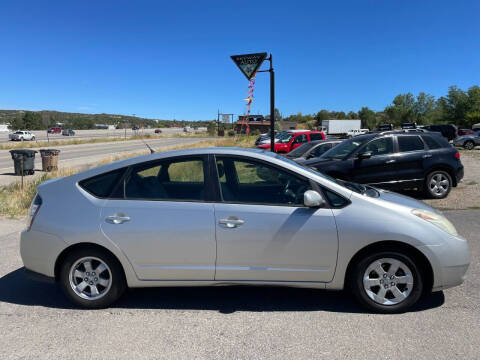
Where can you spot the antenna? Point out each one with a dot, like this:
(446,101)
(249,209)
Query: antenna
(149,147)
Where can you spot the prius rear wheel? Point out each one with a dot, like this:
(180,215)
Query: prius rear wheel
(92,278)
(387,282)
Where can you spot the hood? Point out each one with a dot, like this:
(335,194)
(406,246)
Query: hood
(400,199)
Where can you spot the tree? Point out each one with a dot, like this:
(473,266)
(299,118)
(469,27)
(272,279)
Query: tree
(454,106)
(211,127)
(32,121)
(322,115)
(367,117)
(402,110)
(425,109)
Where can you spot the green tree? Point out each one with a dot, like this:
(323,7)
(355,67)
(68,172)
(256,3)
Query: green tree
(211,128)
(454,106)
(32,121)
(402,110)
(368,118)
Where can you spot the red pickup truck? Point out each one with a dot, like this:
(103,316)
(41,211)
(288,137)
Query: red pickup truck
(292,140)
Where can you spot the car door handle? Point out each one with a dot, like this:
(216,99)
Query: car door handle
(231,222)
(390,161)
(117,219)
(427,156)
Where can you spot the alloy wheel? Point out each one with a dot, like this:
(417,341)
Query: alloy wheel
(439,184)
(469,145)
(388,281)
(90,278)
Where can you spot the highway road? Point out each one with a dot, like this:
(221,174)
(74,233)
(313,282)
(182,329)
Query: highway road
(36,322)
(41,135)
(75,155)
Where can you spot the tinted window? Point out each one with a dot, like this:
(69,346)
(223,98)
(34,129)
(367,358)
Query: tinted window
(102,185)
(431,142)
(320,149)
(167,180)
(410,143)
(300,150)
(380,146)
(316,136)
(346,147)
(246,181)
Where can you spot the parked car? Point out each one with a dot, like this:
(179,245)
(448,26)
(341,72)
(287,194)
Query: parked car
(467,141)
(134,128)
(409,125)
(356,132)
(68,132)
(395,160)
(462,132)
(265,138)
(237,216)
(21,136)
(291,140)
(158,131)
(54,130)
(312,149)
(448,131)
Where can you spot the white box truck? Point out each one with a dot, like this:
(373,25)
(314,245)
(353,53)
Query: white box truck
(341,127)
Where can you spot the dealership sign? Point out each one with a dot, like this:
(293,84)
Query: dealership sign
(249,63)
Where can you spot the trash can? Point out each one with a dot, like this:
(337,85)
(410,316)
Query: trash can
(23,161)
(49,159)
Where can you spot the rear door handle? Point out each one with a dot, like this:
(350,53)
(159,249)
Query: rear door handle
(231,222)
(427,156)
(390,161)
(117,219)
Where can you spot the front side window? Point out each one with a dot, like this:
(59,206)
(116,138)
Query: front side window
(316,136)
(246,181)
(410,143)
(347,147)
(380,146)
(181,179)
(301,139)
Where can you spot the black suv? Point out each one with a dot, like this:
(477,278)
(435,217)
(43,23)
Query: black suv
(396,160)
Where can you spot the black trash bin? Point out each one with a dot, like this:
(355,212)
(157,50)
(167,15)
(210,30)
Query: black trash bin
(26,158)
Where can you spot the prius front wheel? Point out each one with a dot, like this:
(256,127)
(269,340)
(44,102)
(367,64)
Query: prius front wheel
(387,282)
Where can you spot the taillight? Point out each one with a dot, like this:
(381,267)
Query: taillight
(36,203)
(457,155)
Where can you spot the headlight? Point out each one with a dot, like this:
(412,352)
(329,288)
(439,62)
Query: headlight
(438,220)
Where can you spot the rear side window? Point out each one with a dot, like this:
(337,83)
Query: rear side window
(102,185)
(316,136)
(410,143)
(431,142)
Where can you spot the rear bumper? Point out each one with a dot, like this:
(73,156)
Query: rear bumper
(459,175)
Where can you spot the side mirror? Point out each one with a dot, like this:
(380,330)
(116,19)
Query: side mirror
(365,155)
(313,199)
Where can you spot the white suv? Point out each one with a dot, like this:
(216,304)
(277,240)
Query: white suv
(21,135)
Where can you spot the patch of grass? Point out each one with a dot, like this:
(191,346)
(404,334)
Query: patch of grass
(472,182)
(15,202)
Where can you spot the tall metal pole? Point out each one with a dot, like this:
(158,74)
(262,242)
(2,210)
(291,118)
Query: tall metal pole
(272,105)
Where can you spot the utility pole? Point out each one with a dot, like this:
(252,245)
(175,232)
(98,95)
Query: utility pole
(272,102)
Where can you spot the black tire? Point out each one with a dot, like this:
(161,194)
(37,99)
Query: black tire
(469,145)
(430,192)
(357,286)
(33,138)
(117,279)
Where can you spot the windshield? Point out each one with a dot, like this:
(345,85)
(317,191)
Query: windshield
(345,148)
(300,150)
(285,138)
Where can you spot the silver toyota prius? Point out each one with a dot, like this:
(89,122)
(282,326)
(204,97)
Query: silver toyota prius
(216,216)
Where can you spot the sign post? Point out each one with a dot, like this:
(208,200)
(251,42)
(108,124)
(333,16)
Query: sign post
(249,65)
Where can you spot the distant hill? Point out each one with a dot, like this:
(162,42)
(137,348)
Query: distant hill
(46,118)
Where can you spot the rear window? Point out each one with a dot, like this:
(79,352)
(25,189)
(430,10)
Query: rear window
(102,185)
(431,142)
(410,143)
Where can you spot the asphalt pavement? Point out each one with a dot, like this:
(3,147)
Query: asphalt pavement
(36,322)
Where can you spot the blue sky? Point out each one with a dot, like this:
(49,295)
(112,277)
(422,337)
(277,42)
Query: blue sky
(165,59)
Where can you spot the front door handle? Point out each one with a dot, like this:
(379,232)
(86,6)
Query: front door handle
(427,156)
(117,219)
(390,161)
(231,222)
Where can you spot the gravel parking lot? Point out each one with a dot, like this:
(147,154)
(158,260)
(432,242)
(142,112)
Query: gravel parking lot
(234,322)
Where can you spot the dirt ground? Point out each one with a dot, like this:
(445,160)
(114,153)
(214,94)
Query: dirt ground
(467,194)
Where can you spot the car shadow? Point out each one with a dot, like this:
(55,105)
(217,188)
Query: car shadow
(18,289)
